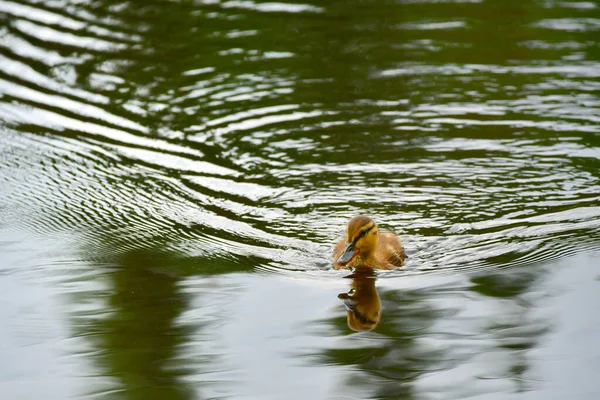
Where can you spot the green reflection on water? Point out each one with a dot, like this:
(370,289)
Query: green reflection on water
(139,339)
(182,65)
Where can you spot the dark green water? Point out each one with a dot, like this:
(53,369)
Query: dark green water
(174,174)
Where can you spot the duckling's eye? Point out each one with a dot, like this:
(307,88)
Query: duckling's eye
(363,233)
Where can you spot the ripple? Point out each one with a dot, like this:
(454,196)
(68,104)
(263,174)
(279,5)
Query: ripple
(433,25)
(585,69)
(272,7)
(570,24)
(188,166)
(258,152)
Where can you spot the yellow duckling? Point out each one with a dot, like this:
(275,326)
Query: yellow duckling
(362,301)
(365,246)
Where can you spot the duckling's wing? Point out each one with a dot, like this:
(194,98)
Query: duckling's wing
(392,249)
(397,258)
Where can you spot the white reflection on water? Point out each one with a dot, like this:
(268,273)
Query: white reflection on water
(260,335)
(272,7)
(206,155)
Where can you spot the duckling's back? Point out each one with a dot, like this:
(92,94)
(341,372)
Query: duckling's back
(390,253)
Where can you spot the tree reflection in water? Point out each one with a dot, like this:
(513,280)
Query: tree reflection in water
(140,337)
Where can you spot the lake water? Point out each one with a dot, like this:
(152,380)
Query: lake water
(174,175)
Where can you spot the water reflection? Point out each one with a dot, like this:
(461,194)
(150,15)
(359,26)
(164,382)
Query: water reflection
(362,301)
(137,343)
(241,135)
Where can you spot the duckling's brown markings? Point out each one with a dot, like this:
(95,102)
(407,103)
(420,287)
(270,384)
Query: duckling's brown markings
(364,246)
(363,232)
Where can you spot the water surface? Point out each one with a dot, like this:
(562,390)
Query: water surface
(174,174)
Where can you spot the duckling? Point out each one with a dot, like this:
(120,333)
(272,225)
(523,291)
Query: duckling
(362,301)
(365,246)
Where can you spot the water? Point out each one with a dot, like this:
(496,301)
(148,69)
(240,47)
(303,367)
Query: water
(174,176)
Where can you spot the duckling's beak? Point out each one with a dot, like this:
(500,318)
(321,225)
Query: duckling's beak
(348,254)
(349,302)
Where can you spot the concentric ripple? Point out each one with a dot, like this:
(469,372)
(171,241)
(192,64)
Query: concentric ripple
(218,135)
(173,175)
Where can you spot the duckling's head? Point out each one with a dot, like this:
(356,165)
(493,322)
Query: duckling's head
(362,236)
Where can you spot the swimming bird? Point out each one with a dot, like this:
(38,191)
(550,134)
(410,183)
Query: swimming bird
(365,246)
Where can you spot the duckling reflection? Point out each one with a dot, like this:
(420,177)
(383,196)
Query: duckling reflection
(362,301)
